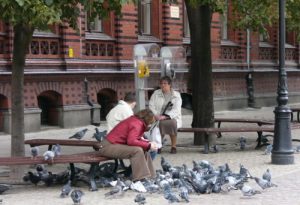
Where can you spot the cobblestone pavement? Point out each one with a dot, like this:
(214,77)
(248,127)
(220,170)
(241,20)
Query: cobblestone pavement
(285,176)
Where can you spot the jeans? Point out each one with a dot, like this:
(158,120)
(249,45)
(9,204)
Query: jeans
(153,154)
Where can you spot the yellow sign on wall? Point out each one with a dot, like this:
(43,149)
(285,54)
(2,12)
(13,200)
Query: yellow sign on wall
(71,53)
(143,69)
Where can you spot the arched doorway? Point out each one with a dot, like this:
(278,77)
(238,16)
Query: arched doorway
(49,102)
(3,108)
(107,98)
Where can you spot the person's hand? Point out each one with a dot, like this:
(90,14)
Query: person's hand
(153,146)
(160,117)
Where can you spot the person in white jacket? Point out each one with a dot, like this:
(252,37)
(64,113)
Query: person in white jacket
(121,111)
(166,103)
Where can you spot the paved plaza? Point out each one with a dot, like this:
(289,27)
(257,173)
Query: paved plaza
(285,176)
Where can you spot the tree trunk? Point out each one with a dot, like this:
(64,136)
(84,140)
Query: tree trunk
(22,38)
(201,69)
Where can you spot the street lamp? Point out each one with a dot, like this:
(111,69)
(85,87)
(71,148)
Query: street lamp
(282,146)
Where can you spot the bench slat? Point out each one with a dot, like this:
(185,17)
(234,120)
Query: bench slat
(82,143)
(241,120)
(88,157)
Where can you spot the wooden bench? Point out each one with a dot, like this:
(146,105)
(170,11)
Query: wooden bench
(92,158)
(50,142)
(258,129)
(242,121)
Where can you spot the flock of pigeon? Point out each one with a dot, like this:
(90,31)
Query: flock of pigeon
(176,183)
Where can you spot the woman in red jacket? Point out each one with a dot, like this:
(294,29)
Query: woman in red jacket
(125,141)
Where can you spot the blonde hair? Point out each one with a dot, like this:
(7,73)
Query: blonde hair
(146,115)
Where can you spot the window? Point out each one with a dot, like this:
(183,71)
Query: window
(186,26)
(94,25)
(144,12)
(224,24)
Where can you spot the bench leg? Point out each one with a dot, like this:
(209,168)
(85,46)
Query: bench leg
(91,175)
(72,175)
(206,144)
(298,117)
(219,134)
(259,137)
(292,116)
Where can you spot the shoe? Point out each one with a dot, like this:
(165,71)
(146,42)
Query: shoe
(159,151)
(173,150)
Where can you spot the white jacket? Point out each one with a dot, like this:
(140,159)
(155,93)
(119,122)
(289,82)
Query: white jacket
(157,100)
(120,112)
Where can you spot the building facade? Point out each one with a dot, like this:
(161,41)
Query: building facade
(73,78)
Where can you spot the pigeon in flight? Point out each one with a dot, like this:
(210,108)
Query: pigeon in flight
(99,136)
(76,196)
(66,189)
(34,151)
(79,135)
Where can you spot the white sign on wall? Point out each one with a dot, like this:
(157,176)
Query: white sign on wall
(174,11)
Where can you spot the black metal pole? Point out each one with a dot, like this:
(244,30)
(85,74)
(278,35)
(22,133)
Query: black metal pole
(282,146)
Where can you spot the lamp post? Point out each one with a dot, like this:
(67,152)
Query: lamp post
(282,146)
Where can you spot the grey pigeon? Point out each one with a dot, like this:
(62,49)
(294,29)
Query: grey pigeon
(34,151)
(140,199)
(76,196)
(297,149)
(99,136)
(66,189)
(116,191)
(268,149)
(79,135)
(267,175)
(4,187)
(49,156)
(56,149)
(248,191)
(264,184)
(242,143)
(165,165)
(184,193)
(33,178)
(169,195)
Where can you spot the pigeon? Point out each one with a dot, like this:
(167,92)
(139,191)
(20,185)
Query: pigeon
(268,149)
(267,175)
(34,151)
(264,184)
(169,195)
(56,149)
(66,189)
(165,165)
(49,156)
(76,196)
(184,193)
(99,136)
(140,199)
(79,135)
(33,178)
(248,191)
(297,149)
(242,143)
(4,187)
(116,191)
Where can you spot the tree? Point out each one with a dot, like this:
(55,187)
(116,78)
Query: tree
(25,16)
(255,15)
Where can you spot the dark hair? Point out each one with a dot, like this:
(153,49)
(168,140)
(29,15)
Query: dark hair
(166,78)
(130,97)
(146,115)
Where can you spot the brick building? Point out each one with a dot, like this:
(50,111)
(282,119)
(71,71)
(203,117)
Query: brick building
(65,67)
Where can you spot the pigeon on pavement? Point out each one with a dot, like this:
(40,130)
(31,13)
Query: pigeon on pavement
(4,187)
(140,199)
(267,175)
(66,189)
(248,191)
(79,135)
(242,142)
(76,196)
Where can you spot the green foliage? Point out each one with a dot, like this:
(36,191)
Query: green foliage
(293,16)
(254,14)
(215,5)
(39,14)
